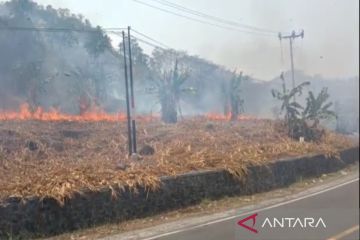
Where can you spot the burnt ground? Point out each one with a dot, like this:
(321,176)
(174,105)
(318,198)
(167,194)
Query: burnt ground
(41,158)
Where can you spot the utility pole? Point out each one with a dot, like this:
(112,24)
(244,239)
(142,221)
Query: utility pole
(130,145)
(291,38)
(133,111)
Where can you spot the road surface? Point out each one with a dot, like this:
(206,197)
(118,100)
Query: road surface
(336,201)
(343,196)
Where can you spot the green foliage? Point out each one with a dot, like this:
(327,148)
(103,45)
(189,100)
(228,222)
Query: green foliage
(97,42)
(317,108)
(34,64)
(297,118)
(289,105)
(73,60)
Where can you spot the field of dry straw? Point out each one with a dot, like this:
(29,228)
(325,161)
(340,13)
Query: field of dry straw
(56,159)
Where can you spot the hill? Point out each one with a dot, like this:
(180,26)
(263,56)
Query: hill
(76,71)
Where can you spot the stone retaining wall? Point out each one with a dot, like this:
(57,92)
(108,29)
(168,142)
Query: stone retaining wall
(47,217)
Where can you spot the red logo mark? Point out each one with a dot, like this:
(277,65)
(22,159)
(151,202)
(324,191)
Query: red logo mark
(253,217)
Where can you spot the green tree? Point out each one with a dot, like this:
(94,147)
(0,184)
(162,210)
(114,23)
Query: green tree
(140,62)
(97,42)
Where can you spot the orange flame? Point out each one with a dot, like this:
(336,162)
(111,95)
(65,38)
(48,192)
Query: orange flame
(55,115)
(95,115)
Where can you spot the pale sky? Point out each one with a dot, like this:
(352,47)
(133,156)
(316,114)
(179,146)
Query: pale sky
(330,46)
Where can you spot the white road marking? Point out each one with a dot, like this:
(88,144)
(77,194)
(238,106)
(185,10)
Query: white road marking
(252,211)
(345,233)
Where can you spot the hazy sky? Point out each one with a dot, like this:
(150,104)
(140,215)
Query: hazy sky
(330,46)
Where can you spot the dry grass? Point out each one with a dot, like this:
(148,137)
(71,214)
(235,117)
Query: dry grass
(56,159)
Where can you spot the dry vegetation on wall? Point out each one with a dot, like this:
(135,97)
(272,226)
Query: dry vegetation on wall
(56,159)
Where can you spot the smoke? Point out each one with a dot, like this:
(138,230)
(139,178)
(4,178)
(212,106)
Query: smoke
(56,70)
(330,46)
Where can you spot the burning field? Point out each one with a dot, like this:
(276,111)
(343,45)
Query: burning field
(44,154)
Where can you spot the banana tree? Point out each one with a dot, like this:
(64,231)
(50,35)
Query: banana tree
(317,108)
(290,106)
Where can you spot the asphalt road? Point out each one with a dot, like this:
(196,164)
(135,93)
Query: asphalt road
(338,206)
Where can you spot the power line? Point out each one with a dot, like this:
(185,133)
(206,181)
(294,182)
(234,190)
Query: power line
(148,43)
(107,30)
(114,28)
(150,38)
(52,29)
(211,17)
(141,40)
(204,22)
(291,38)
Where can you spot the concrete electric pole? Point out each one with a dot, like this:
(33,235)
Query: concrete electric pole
(128,112)
(132,97)
(291,38)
